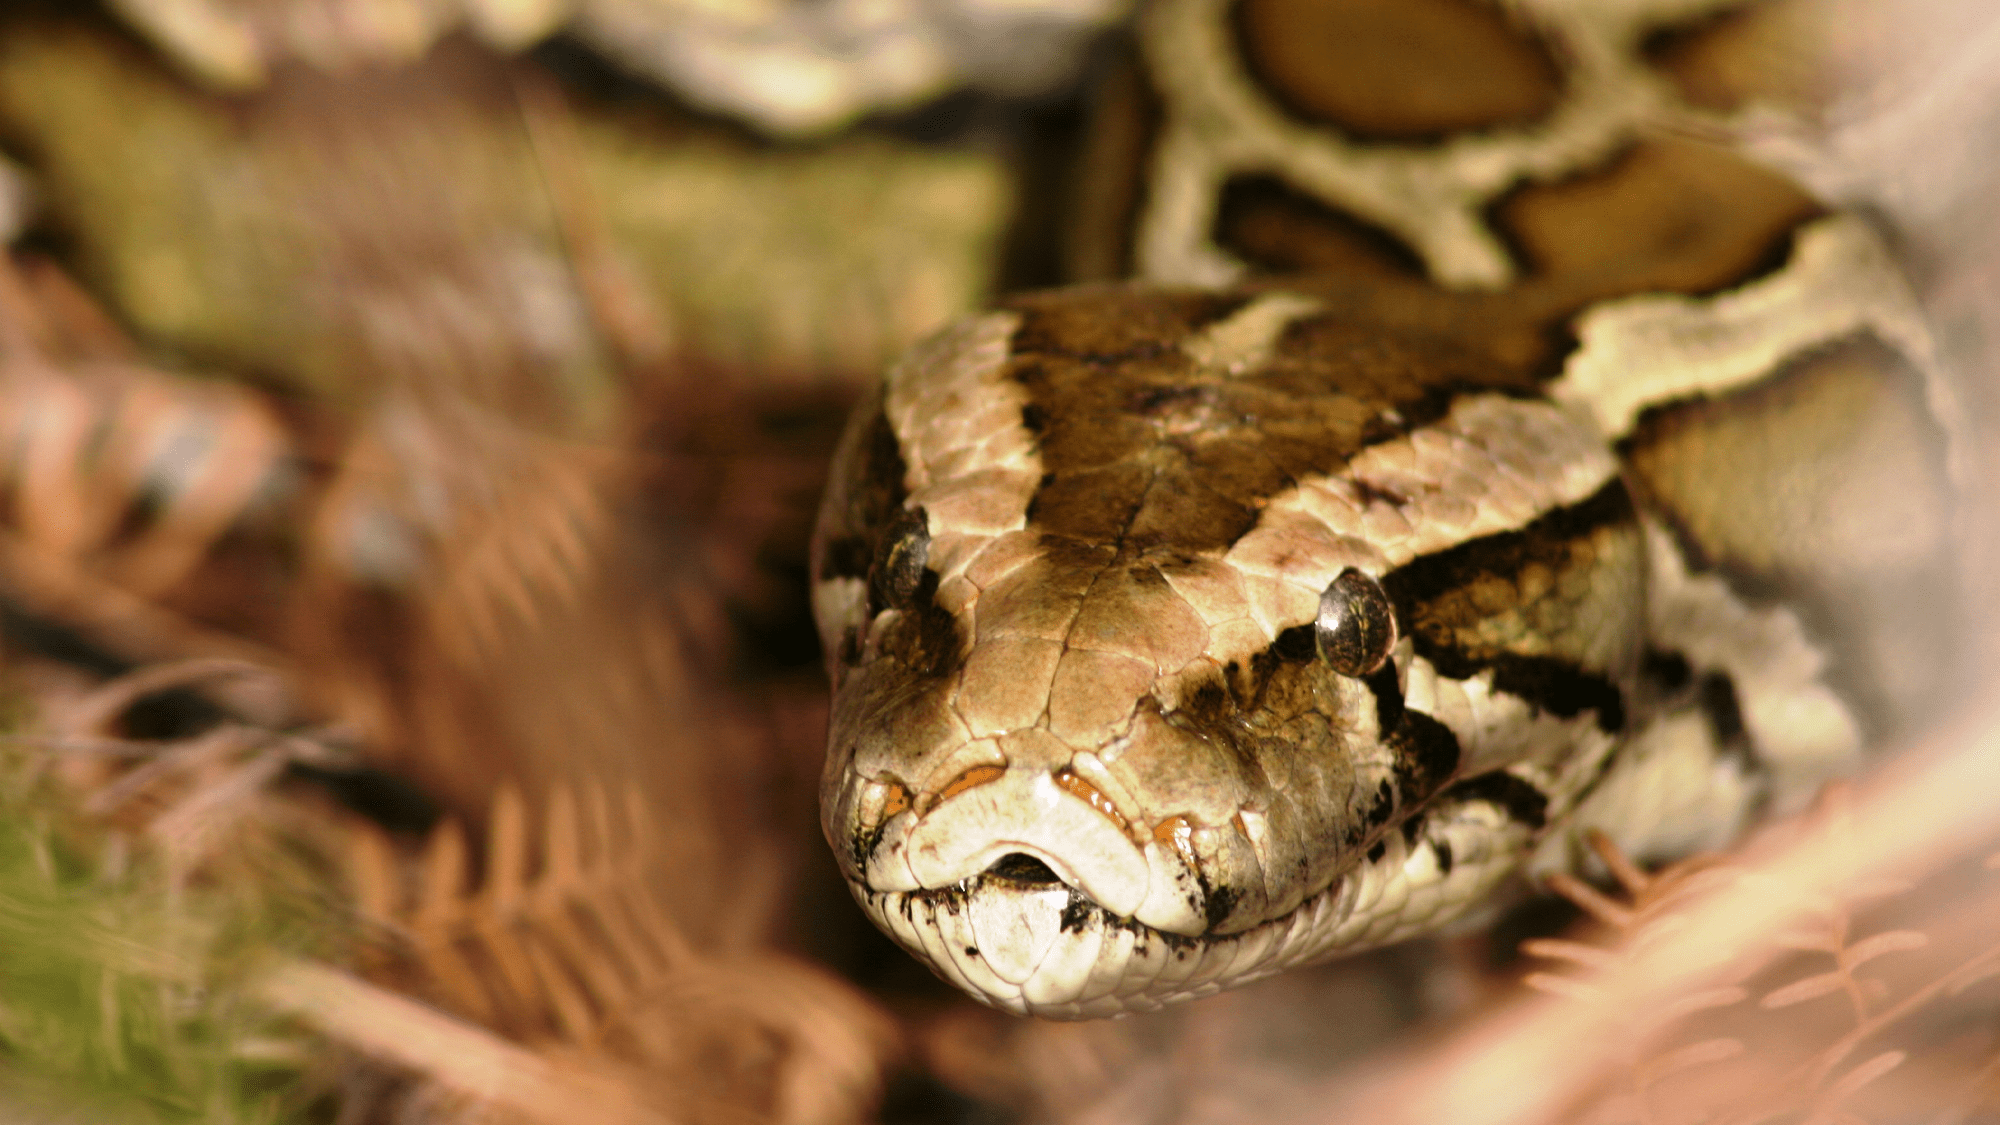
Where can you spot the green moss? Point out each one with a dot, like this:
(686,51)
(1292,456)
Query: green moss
(116,987)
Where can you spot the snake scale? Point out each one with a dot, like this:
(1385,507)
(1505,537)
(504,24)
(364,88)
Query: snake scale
(1431,496)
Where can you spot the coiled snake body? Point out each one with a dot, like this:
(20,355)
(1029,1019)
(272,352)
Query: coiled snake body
(1183,635)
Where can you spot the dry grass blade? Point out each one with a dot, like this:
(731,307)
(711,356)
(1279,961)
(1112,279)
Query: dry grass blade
(458,1055)
(92,713)
(191,829)
(1592,902)
(1635,882)
(1706,1000)
(1557,985)
(1573,952)
(1893,941)
(1862,1075)
(1686,1058)
(1798,992)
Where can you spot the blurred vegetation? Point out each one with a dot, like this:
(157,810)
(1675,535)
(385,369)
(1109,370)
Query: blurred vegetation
(456,222)
(120,984)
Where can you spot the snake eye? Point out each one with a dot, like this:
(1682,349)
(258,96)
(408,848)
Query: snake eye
(1357,626)
(900,559)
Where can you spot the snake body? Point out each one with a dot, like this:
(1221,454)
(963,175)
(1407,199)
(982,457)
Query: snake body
(1182,635)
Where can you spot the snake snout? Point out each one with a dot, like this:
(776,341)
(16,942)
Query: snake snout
(1026,829)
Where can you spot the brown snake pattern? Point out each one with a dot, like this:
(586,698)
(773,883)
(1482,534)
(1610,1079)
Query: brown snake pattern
(1180,635)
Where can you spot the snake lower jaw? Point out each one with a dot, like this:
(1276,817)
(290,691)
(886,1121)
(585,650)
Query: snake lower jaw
(1045,949)
(1061,914)
(1019,938)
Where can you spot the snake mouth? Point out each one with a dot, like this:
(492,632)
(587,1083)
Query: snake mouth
(1021,893)
(1019,938)
(1060,841)
(1022,868)
(1021,935)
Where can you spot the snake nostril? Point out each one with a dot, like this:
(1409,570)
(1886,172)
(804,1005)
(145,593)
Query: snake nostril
(1022,868)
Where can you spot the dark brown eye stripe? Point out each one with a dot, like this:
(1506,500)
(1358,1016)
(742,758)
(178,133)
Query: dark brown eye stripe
(1559,688)
(873,495)
(1553,540)
(1521,801)
(1467,609)
(925,639)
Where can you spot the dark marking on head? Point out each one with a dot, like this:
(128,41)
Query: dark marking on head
(1382,807)
(863,843)
(1294,645)
(902,553)
(1719,703)
(1460,606)
(1376,853)
(1505,553)
(1521,801)
(1292,648)
(1388,692)
(1248,686)
(1427,755)
(1368,492)
(1115,322)
(1555,686)
(1208,703)
(1444,856)
(885,462)
(1217,902)
(1668,671)
(875,494)
(1147,450)
(1034,418)
(924,638)
(1076,913)
(1412,828)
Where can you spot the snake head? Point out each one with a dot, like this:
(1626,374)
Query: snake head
(1178,638)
